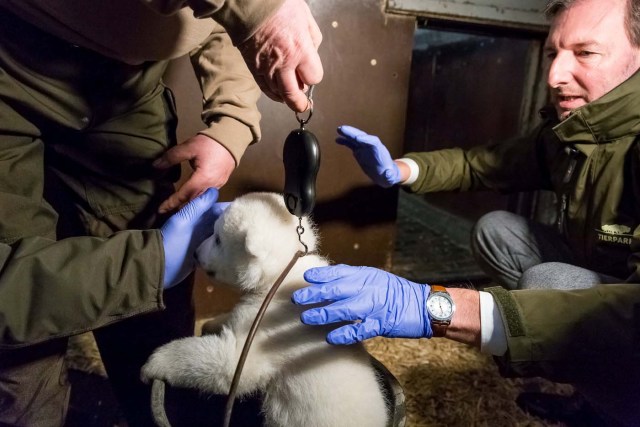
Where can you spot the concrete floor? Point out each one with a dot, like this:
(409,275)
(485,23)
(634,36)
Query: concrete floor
(432,245)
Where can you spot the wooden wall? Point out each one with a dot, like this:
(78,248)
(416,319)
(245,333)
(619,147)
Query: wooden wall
(366,56)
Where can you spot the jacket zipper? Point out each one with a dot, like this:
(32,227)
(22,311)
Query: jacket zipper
(564,197)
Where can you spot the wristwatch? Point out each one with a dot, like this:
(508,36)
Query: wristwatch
(440,307)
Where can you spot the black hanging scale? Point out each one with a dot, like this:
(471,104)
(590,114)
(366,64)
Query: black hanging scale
(301,157)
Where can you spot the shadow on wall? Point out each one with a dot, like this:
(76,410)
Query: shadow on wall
(358,207)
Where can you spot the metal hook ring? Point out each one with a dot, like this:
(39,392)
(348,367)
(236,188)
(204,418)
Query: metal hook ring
(310,110)
(309,107)
(300,231)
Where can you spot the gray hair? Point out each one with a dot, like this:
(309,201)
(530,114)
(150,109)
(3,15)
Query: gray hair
(631,20)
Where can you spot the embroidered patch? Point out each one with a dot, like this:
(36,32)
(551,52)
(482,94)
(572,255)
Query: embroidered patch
(614,233)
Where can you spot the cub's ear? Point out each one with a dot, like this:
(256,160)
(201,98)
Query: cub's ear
(254,246)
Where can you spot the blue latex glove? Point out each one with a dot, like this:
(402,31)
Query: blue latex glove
(372,156)
(184,232)
(386,304)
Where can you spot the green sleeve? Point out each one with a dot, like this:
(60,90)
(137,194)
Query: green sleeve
(52,289)
(570,336)
(508,166)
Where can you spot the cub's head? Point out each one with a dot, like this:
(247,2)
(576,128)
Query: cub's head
(253,241)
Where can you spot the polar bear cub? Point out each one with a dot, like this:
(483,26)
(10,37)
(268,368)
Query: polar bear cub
(303,380)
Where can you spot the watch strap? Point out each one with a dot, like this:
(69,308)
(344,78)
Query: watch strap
(439,328)
(438,288)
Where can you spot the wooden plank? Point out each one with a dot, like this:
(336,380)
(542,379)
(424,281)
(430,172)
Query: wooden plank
(525,14)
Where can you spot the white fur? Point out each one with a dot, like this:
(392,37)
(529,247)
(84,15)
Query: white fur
(304,380)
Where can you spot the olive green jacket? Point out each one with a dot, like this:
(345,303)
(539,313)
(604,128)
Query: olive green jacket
(571,336)
(138,31)
(591,161)
(589,338)
(52,288)
(46,293)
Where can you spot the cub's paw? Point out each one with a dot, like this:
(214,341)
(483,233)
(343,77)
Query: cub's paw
(168,363)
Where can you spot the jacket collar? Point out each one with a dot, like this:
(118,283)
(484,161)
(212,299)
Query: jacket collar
(614,115)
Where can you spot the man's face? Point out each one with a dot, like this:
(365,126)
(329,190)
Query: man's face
(589,52)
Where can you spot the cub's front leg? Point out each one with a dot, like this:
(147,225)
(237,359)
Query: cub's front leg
(205,363)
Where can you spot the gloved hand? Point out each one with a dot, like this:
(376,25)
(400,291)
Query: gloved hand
(184,232)
(386,304)
(372,156)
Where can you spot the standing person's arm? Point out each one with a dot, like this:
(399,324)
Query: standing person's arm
(230,111)
(279,41)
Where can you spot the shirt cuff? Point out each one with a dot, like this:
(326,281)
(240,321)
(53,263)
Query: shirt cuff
(413,168)
(493,339)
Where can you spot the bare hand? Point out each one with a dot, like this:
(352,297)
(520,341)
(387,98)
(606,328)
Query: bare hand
(211,162)
(283,54)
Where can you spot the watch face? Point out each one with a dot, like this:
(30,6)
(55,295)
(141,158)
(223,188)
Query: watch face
(440,307)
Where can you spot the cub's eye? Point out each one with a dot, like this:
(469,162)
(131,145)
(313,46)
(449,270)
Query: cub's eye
(217,240)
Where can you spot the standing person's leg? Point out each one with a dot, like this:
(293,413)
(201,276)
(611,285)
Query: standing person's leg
(34,390)
(110,185)
(506,245)
(100,179)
